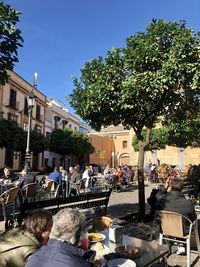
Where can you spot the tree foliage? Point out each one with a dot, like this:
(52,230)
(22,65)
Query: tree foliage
(158,140)
(10,39)
(81,143)
(68,142)
(8,131)
(13,136)
(156,77)
(38,142)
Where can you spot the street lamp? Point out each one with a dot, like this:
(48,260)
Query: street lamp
(31,103)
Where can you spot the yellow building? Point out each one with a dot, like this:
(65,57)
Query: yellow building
(14,106)
(113,146)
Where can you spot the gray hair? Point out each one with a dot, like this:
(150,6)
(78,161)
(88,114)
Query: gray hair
(67,225)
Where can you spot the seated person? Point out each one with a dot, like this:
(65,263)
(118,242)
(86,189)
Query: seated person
(171,199)
(86,176)
(25,178)
(56,176)
(75,181)
(6,174)
(18,244)
(61,249)
(63,173)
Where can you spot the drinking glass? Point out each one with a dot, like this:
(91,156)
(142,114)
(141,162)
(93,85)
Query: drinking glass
(84,241)
(129,247)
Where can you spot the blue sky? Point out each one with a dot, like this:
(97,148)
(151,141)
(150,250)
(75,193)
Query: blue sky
(60,36)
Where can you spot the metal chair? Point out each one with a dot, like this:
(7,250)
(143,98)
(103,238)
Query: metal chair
(9,198)
(29,192)
(81,188)
(46,191)
(172,225)
(56,189)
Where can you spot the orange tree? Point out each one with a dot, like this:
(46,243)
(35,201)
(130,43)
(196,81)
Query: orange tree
(10,39)
(69,143)
(155,77)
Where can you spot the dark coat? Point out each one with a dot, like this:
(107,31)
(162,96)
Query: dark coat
(16,246)
(60,254)
(176,202)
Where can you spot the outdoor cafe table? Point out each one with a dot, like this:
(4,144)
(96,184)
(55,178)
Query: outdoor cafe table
(151,252)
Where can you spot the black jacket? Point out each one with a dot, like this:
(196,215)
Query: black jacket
(176,202)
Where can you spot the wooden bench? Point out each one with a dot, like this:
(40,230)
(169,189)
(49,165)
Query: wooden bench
(95,202)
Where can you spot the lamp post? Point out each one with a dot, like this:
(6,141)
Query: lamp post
(31,103)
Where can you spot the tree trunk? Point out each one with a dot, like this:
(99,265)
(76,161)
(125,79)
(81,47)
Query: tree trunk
(141,191)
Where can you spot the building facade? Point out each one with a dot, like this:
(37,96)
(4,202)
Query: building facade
(58,117)
(14,106)
(113,146)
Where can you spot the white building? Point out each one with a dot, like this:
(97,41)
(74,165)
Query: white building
(58,117)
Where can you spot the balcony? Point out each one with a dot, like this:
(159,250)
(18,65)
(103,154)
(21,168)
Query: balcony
(40,118)
(13,105)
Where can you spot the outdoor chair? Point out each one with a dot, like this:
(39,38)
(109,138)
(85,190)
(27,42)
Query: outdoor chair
(8,198)
(82,188)
(29,192)
(45,190)
(172,229)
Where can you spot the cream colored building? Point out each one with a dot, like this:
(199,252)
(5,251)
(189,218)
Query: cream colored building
(14,106)
(113,146)
(58,117)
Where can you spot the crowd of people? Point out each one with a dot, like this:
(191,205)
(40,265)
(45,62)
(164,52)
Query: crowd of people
(119,177)
(159,173)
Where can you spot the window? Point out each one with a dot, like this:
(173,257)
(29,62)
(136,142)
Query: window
(13,96)
(25,106)
(64,122)
(70,126)
(124,144)
(38,112)
(12,117)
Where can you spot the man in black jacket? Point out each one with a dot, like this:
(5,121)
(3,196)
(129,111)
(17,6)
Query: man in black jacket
(171,199)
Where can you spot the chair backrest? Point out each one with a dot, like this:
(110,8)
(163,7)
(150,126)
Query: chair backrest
(10,195)
(54,185)
(172,223)
(58,191)
(30,190)
(82,183)
(50,186)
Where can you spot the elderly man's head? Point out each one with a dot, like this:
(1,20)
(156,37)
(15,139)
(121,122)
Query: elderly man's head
(6,171)
(67,226)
